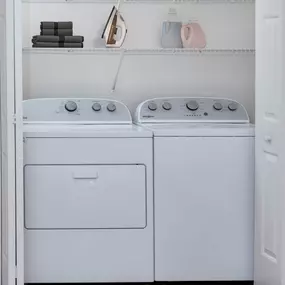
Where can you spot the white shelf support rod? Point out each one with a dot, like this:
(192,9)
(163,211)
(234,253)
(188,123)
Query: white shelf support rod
(118,71)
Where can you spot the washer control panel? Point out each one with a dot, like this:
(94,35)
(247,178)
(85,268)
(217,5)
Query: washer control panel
(87,111)
(191,109)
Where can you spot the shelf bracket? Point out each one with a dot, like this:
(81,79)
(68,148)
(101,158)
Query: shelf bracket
(118,71)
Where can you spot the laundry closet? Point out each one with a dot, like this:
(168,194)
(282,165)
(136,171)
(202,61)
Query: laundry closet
(139,70)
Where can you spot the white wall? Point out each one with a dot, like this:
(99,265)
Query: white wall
(227,26)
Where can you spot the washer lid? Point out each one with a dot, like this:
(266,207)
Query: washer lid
(201,130)
(85,131)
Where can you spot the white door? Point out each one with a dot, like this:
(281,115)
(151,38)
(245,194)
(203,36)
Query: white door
(11,157)
(270,142)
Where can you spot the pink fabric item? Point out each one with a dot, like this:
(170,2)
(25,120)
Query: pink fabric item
(193,36)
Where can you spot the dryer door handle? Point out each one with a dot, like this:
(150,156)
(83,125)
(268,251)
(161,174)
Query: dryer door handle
(81,176)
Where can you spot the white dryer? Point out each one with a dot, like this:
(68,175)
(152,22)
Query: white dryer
(88,193)
(204,188)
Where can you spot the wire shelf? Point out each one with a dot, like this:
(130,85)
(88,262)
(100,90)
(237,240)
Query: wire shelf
(116,51)
(70,1)
(192,1)
(145,1)
(189,51)
(73,51)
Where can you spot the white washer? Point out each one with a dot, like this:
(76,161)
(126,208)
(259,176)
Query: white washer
(204,188)
(88,193)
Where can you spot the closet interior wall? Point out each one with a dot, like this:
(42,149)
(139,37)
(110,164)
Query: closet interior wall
(224,69)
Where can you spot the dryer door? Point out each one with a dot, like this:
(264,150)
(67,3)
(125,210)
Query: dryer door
(85,197)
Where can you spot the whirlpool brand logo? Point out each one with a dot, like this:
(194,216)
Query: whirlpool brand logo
(148,117)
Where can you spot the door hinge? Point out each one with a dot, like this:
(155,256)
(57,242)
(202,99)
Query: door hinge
(14,119)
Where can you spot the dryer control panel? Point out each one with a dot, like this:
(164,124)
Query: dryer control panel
(191,109)
(73,111)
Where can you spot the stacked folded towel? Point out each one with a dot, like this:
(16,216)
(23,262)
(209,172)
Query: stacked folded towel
(57,35)
(56,29)
(54,32)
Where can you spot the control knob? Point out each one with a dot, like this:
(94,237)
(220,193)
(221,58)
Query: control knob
(96,107)
(111,107)
(233,106)
(192,106)
(218,106)
(71,106)
(166,106)
(152,106)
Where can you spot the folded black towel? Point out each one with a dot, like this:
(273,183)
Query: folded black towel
(60,32)
(56,25)
(58,39)
(57,45)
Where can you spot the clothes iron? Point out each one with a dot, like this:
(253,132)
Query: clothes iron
(115,30)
